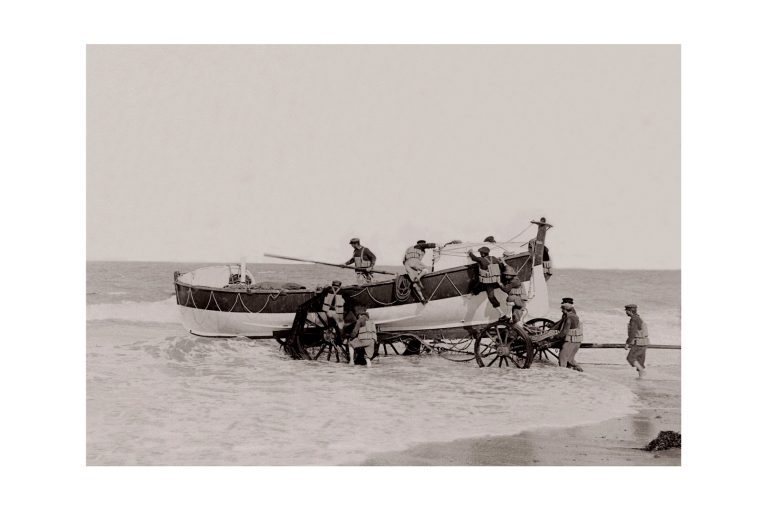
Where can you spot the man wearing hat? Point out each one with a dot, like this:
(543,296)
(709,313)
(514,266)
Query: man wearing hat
(489,273)
(564,300)
(637,339)
(415,268)
(333,303)
(572,336)
(363,259)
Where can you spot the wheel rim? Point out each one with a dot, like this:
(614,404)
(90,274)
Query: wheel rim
(330,347)
(502,345)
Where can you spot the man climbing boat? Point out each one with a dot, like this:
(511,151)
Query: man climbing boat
(446,304)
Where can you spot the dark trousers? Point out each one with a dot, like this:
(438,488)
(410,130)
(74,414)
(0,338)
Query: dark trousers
(488,288)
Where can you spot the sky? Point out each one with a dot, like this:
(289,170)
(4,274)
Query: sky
(217,153)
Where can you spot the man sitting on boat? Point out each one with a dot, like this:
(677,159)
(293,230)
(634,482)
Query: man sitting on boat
(362,339)
(489,271)
(415,268)
(363,259)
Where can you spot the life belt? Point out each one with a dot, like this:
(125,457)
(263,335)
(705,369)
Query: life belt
(360,262)
(516,293)
(367,332)
(641,337)
(413,253)
(574,335)
(492,274)
(333,299)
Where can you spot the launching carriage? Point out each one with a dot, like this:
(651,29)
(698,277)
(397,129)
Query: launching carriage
(454,321)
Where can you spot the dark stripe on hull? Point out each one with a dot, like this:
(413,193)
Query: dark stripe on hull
(439,285)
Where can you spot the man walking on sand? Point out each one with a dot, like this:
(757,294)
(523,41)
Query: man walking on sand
(637,339)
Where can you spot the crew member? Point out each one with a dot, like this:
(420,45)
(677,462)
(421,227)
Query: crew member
(415,268)
(637,339)
(565,300)
(489,271)
(546,261)
(363,259)
(333,303)
(572,336)
(362,339)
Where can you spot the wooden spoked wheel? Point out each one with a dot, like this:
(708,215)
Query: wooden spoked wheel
(322,340)
(543,350)
(502,345)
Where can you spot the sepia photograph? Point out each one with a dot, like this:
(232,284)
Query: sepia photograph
(383,255)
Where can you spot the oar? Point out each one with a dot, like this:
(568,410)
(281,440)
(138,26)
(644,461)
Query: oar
(328,264)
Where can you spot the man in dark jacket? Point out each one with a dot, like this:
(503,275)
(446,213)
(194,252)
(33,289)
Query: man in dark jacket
(489,273)
(363,259)
(572,336)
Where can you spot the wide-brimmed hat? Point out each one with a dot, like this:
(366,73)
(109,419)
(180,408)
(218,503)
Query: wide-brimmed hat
(354,240)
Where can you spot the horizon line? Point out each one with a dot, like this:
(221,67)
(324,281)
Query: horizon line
(383,265)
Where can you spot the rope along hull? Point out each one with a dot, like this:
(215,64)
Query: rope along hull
(208,311)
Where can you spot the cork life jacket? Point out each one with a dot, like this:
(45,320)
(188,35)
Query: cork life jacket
(333,299)
(367,332)
(492,273)
(575,334)
(360,262)
(641,336)
(413,252)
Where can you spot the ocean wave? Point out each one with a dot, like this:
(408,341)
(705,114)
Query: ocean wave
(163,311)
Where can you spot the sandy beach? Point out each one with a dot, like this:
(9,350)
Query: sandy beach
(616,442)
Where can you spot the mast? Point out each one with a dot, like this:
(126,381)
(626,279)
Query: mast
(541,234)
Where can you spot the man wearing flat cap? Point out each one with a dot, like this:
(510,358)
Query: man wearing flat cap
(637,339)
(572,336)
(363,259)
(489,274)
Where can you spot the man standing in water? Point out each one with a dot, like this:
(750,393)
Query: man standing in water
(363,259)
(362,340)
(572,336)
(637,339)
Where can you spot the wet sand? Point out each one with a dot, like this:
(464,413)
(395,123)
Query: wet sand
(616,442)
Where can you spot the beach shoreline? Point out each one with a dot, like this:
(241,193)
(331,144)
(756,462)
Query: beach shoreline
(614,442)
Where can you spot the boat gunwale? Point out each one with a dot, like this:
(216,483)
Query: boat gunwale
(281,291)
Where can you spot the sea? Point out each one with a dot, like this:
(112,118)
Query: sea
(157,395)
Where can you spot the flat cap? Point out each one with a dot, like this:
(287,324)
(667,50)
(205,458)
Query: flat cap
(336,282)
(484,250)
(567,300)
(354,240)
(630,306)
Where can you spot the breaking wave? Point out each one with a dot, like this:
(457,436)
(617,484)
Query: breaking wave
(163,311)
